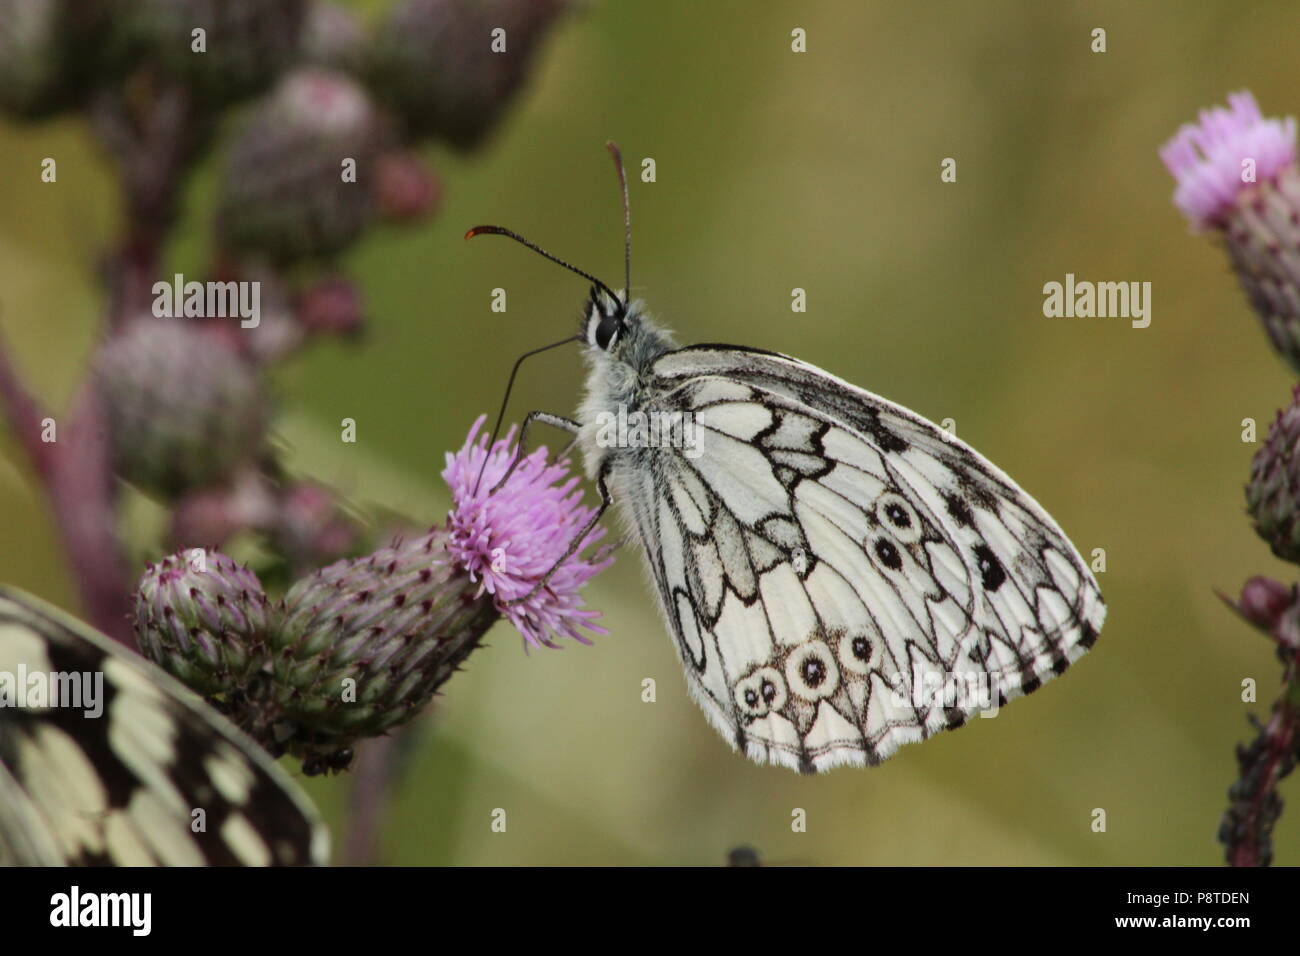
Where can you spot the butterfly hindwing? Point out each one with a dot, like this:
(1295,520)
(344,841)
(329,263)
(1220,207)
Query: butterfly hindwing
(842,576)
(148,774)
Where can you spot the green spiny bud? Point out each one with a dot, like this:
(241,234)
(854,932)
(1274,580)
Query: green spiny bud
(202,617)
(361,646)
(184,410)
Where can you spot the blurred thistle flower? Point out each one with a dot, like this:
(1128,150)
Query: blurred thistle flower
(333,37)
(184,410)
(331,306)
(203,618)
(406,189)
(312,526)
(508,538)
(297,181)
(213,515)
(434,63)
(246,43)
(1236,175)
(1273,493)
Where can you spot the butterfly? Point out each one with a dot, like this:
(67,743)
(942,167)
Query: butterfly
(106,760)
(839,575)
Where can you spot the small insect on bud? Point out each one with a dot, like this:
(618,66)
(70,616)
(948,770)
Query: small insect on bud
(202,617)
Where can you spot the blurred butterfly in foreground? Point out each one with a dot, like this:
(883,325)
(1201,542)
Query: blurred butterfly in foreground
(840,576)
(130,767)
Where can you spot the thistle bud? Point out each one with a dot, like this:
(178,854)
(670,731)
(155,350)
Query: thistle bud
(184,410)
(1263,601)
(1273,494)
(361,646)
(203,618)
(449,68)
(406,189)
(298,179)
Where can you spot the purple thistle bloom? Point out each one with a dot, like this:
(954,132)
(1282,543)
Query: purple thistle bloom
(509,538)
(1206,158)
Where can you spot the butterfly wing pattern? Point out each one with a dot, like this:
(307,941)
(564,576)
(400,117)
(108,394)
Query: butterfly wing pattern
(126,785)
(842,576)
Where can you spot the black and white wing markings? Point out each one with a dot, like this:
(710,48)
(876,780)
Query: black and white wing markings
(822,567)
(122,786)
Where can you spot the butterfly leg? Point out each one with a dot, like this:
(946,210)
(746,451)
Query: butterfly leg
(546,418)
(605,500)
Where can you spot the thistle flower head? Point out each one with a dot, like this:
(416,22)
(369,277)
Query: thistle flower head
(1206,158)
(508,538)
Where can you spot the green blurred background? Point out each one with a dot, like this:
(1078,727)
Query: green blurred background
(821,171)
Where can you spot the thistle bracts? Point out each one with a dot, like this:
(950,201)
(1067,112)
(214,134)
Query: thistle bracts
(1273,493)
(202,617)
(361,646)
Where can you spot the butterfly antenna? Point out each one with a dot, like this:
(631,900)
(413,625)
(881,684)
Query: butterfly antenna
(627,218)
(501,414)
(502,231)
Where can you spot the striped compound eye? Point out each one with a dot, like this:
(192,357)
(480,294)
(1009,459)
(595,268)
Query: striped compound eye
(761,692)
(603,327)
(812,671)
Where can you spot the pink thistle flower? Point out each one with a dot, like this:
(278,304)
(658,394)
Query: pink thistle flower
(508,539)
(1206,157)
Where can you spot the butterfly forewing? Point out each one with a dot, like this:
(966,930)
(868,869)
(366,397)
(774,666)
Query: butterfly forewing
(841,576)
(147,774)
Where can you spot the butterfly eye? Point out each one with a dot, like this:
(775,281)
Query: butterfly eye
(607,330)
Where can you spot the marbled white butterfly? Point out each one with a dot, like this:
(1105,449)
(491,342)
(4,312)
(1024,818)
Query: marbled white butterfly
(840,575)
(131,767)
